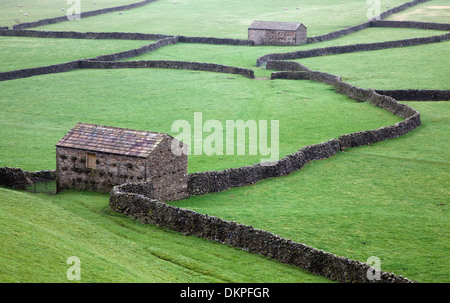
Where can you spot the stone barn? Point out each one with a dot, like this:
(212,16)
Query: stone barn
(95,157)
(277,33)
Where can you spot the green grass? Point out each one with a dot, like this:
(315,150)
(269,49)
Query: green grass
(38,111)
(11,13)
(430,11)
(390,68)
(20,52)
(388,200)
(39,232)
(228,19)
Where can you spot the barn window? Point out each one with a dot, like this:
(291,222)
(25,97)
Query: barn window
(91,161)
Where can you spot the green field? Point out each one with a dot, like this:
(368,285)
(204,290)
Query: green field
(371,69)
(431,11)
(388,200)
(39,232)
(37,52)
(226,19)
(245,56)
(38,111)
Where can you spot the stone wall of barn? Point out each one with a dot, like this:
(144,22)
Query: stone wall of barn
(168,172)
(111,170)
(301,36)
(273,37)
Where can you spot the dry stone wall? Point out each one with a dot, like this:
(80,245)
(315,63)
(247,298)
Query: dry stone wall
(170,65)
(333,50)
(412,24)
(137,51)
(80,35)
(119,35)
(135,200)
(43,70)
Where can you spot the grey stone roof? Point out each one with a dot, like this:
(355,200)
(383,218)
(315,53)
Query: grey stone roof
(274,25)
(113,140)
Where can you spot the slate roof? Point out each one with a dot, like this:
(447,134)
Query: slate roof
(274,25)
(113,140)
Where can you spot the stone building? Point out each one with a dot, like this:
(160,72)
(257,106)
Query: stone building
(277,33)
(95,157)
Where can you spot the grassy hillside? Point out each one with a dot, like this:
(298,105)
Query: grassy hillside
(387,200)
(40,232)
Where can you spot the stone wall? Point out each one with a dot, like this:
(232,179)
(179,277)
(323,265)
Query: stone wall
(301,74)
(170,65)
(136,200)
(412,24)
(18,178)
(338,34)
(80,35)
(120,36)
(284,65)
(42,175)
(13,177)
(43,70)
(137,51)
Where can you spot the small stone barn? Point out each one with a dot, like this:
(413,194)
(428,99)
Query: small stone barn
(96,157)
(277,33)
